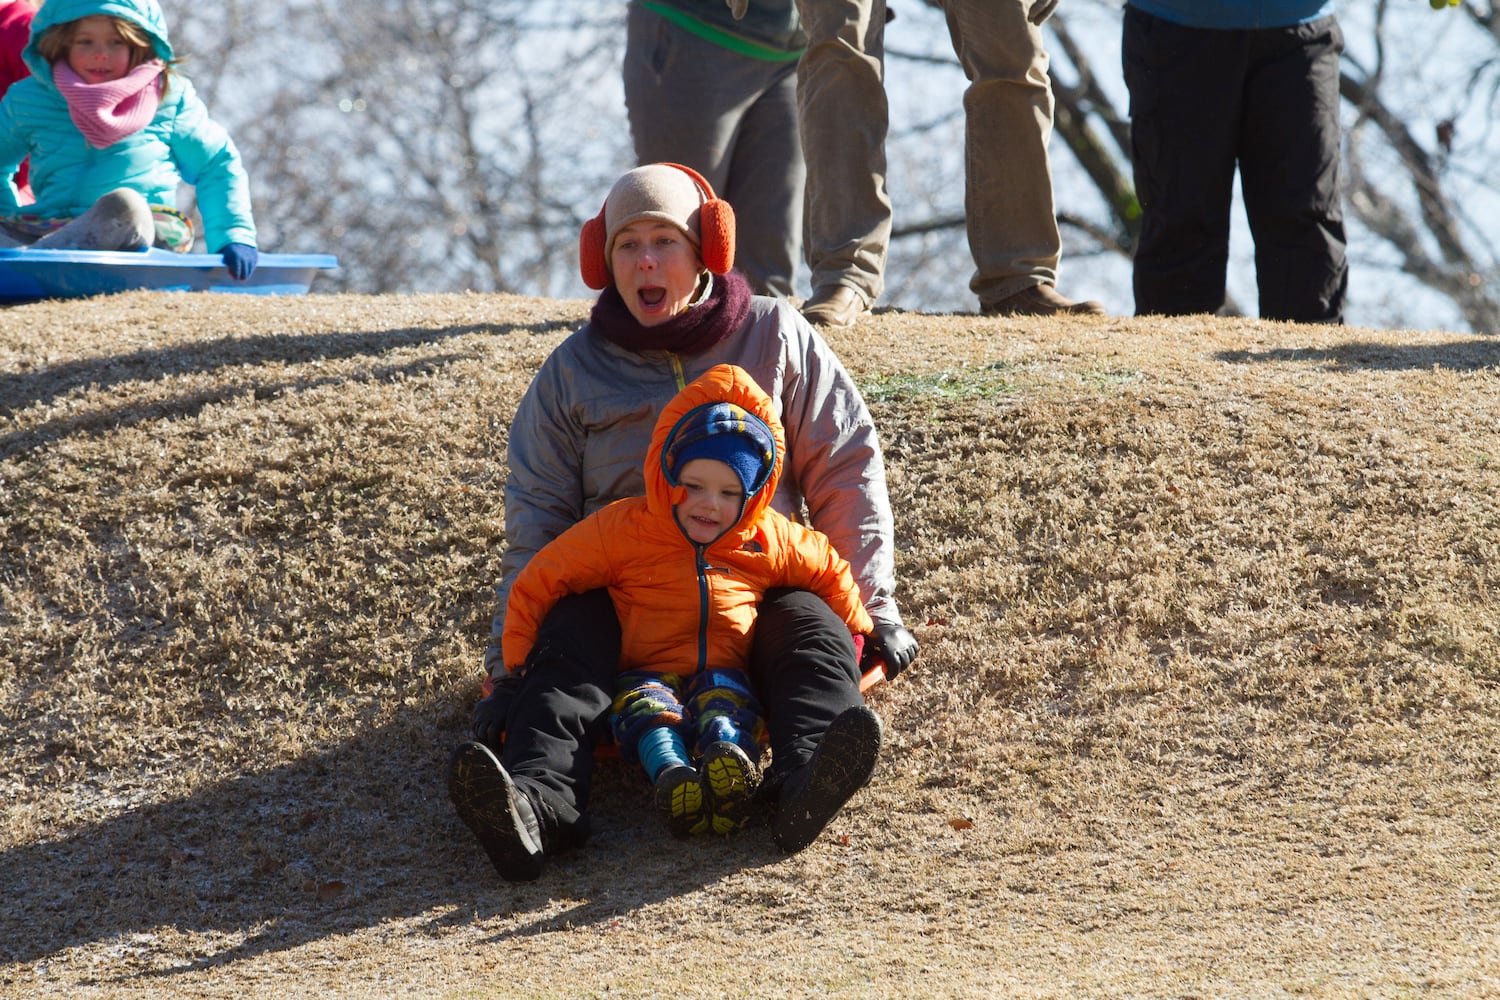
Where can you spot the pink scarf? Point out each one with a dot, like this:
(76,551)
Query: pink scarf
(107,112)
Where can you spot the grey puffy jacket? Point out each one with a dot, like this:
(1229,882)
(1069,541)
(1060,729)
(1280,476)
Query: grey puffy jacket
(580,435)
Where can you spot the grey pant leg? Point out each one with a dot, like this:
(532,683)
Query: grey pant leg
(844,115)
(767,176)
(119,220)
(1008,199)
(734,120)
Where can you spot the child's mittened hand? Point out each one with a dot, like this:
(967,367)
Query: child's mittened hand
(240,259)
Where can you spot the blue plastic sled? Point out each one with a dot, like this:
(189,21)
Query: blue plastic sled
(27,274)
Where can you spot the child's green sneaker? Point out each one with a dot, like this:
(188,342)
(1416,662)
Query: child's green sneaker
(730,779)
(679,798)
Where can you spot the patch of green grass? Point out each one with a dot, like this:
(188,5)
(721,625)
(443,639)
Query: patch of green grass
(983,382)
(1000,379)
(1108,378)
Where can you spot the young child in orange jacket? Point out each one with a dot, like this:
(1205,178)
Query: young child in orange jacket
(686,566)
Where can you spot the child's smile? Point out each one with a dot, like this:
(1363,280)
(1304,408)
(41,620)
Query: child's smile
(714,499)
(97,51)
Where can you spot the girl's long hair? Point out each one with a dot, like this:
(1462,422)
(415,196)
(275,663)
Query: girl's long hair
(53,45)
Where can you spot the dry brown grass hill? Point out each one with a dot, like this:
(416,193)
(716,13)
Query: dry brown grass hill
(1208,703)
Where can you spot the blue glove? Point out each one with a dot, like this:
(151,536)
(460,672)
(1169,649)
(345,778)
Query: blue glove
(240,259)
(893,644)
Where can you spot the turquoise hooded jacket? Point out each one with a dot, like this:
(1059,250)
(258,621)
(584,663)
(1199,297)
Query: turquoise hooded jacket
(180,144)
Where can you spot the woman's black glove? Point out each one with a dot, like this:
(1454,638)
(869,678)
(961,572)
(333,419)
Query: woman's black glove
(493,711)
(893,644)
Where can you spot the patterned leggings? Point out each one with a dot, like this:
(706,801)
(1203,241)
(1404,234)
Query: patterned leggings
(174,231)
(708,707)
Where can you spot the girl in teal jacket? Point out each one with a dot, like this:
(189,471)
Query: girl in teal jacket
(111,131)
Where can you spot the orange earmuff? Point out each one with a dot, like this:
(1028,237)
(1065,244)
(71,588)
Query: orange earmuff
(715,226)
(591,258)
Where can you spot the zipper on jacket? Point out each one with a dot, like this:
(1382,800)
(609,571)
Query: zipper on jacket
(678,375)
(702,569)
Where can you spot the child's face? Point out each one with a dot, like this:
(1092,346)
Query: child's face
(656,270)
(713,499)
(97,52)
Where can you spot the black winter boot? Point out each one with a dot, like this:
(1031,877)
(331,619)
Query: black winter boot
(502,816)
(814,793)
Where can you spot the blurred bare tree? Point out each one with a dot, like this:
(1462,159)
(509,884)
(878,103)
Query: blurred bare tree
(436,145)
(459,144)
(1436,241)
(1403,184)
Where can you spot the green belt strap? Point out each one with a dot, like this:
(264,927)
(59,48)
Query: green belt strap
(720,37)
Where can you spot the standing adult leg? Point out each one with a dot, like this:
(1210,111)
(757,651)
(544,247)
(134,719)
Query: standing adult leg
(1185,96)
(844,117)
(767,177)
(1008,200)
(732,118)
(1290,170)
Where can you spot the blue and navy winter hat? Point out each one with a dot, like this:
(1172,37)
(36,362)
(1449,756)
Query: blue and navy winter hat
(728,433)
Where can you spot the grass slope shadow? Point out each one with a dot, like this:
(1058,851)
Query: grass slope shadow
(350,837)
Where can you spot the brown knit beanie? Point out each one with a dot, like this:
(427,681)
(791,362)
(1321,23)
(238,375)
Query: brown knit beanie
(671,193)
(655,191)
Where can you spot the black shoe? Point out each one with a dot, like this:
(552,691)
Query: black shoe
(500,815)
(679,798)
(814,793)
(730,781)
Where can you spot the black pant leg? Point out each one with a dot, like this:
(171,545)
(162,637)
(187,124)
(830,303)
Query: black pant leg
(1291,172)
(803,668)
(1185,91)
(562,706)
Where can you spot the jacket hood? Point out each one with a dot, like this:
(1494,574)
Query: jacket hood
(720,384)
(146,13)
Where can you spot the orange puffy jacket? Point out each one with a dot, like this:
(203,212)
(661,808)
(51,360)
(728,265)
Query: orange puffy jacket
(683,607)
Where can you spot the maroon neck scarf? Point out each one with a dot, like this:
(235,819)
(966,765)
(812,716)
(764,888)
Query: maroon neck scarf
(691,331)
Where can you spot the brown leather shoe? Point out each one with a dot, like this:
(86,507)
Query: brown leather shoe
(839,306)
(1041,300)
